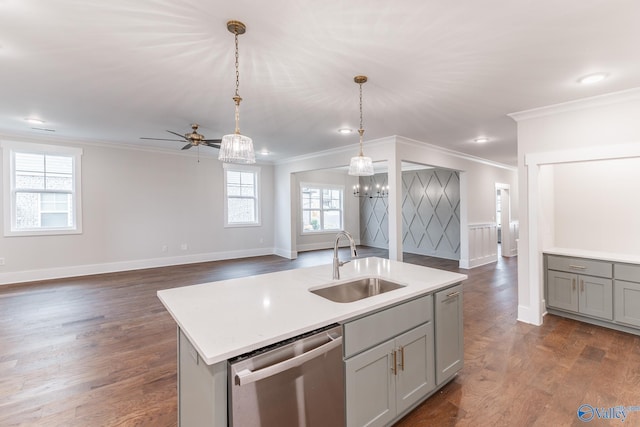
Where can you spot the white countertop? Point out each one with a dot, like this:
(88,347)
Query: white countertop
(231,317)
(603,256)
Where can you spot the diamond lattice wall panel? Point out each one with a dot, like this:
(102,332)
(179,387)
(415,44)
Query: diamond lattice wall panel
(374,225)
(430,213)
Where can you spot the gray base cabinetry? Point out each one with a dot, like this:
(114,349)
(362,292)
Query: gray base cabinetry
(449,339)
(202,388)
(627,294)
(392,361)
(605,293)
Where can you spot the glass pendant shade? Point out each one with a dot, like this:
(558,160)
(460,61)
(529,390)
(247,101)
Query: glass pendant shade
(237,148)
(361,166)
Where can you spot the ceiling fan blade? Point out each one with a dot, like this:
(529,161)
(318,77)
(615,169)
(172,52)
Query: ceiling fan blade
(186,147)
(176,133)
(215,143)
(160,139)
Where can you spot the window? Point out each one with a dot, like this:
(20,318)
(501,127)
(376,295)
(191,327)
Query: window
(321,207)
(241,195)
(41,189)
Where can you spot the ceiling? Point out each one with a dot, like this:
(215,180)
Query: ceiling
(440,72)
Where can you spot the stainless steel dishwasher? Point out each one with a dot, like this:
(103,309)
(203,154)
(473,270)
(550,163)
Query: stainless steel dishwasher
(296,383)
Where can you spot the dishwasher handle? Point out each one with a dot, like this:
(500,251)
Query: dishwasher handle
(247,376)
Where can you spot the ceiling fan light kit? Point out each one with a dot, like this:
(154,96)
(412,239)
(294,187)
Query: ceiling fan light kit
(361,165)
(235,147)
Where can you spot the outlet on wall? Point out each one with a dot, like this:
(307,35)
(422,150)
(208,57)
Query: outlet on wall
(184,247)
(165,248)
(1,261)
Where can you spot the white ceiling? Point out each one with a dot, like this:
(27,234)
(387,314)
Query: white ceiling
(441,72)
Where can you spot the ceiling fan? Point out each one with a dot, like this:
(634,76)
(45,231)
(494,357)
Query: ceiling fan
(193,138)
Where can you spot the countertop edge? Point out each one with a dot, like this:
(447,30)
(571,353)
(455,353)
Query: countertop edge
(597,255)
(388,299)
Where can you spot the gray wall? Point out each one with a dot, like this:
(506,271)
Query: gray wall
(430,213)
(142,208)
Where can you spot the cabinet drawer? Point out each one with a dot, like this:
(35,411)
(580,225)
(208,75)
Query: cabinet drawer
(368,331)
(580,266)
(628,272)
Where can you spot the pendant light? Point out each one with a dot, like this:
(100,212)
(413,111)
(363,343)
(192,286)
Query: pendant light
(235,147)
(361,165)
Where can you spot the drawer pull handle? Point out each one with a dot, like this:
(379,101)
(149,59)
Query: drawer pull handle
(582,286)
(573,284)
(577,267)
(401,349)
(395,361)
(453,294)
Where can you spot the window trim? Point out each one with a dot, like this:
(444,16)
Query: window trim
(258,198)
(321,187)
(9,148)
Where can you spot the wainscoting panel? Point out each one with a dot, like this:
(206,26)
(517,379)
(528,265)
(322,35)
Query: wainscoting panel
(514,227)
(483,244)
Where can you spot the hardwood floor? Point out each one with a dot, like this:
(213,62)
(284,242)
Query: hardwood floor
(101,351)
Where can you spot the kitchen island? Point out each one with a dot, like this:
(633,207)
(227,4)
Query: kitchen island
(221,320)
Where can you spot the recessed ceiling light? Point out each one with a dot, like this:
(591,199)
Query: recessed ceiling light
(592,78)
(34,120)
(481,139)
(345,131)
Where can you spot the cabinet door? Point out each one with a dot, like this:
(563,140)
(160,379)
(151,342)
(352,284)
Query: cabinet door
(562,290)
(596,297)
(370,387)
(627,302)
(414,366)
(449,339)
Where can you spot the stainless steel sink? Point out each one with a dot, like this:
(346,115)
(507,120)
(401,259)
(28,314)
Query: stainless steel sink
(357,289)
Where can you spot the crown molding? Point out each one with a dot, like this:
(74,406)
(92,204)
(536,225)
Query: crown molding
(351,148)
(453,153)
(578,104)
(81,142)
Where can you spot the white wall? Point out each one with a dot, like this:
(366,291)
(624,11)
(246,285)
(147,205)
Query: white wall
(134,203)
(597,205)
(602,127)
(313,241)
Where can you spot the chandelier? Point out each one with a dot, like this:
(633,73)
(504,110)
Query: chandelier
(235,147)
(361,165)
(369,192)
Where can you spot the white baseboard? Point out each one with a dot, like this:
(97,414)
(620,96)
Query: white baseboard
(525,315)
(83,270)
(477,262)
(324,245)
(285,253)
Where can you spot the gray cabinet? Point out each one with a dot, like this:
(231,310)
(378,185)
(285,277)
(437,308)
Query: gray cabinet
(626,288)
(605,293)
(449,337)
(570,288)
(202,388)
(389,362)
(384,381)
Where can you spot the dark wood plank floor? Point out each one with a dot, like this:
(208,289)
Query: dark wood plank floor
(101,351)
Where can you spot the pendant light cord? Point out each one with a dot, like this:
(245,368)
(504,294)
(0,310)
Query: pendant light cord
(237,98)
(361,130)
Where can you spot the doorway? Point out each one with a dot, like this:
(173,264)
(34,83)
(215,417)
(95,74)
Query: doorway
(503,219)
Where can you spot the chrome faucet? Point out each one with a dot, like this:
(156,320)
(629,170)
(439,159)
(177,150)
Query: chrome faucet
(336,261)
